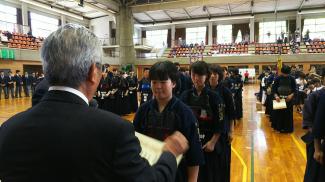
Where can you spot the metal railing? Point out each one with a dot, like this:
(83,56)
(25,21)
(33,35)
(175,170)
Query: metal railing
(14,27)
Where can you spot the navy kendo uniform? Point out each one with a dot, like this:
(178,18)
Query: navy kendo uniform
(183,83)
(209,110)
(319,133)
(175,117)
(269,97)
(145,90)
(133,83)
(102,90)
(282,119)
(228,100)
(122,98)
(309,113)
(111,102)
(236,88)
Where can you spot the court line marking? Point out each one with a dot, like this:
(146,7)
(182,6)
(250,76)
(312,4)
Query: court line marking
(302,151)
(242,163)
(252,158)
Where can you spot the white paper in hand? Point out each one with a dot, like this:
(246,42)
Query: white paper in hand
(151,148)
(279,105)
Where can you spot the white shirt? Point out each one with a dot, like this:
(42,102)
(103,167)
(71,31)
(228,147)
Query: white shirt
(71,90)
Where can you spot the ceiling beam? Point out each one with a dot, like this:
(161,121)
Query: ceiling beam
(89,12)
(180,4)
(276,6)
(208,12)
(229,9)
(152,19)
(170,18)
(108,11)
(110,4)
(301,4)
(186,12)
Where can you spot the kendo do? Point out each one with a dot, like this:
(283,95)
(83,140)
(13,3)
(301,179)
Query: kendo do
(165,114)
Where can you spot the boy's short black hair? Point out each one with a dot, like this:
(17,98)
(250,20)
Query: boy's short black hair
(200,68)
(217,69)
(285,69)
(163,70)
(177,64)
(145,69)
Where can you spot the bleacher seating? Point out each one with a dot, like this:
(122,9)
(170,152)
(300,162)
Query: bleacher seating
(23,41)
(316,46)
(272,48)
(186,51)
(228,49)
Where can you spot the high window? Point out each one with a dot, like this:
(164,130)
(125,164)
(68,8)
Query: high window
(156,38)
(42,25)
(224,34)
(195,35)
(315,27)
(269,32)
(8,18)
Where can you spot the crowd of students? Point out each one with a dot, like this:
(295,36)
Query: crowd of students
(307,93)
(202,103)
(12,85)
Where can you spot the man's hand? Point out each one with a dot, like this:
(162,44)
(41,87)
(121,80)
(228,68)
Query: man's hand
(319,156)
(289,98)
(176,144)
(209,146)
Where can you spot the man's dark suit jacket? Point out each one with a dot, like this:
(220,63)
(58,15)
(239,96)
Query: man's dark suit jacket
(63,139)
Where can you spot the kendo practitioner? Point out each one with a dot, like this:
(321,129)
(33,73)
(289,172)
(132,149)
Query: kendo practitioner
(102,91)
(144,87)
(33,82)
(208,108)
(18,83)
(3,85)
(284,87)
(123,95)
(319,136)
(133,83)
(165,114)
(226,95)
(10,84)
(226,80)
(112,101)
(26,84)
(237,91)
(309,112)
(183,83)
(267,88)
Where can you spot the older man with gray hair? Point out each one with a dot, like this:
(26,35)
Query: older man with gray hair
(63,139)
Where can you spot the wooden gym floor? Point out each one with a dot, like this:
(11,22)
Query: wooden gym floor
(258,153)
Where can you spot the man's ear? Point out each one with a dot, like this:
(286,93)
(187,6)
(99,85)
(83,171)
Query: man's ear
(93,73)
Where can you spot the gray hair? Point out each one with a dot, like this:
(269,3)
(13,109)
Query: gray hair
(68,53)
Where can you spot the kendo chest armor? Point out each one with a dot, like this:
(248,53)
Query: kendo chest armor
(161,125)
(284,88)
(203,112)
